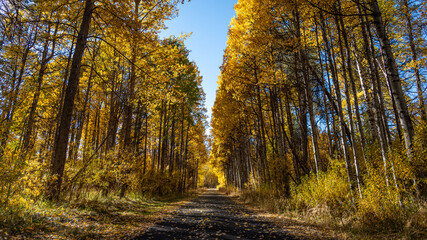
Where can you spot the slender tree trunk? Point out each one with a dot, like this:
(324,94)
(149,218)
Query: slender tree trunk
(372,75)
(396,114)
(347,72)
(185,157)
(416,68)
(82,119)
(339,106)
(137,131)
(145,143)
(131,87)
(325,104)
(164,139)
(159,156)
(11,102)
(172,145)
(356,106)
(181,152)
(309,99)
(300,167)
(263,152)
(300,68)
(395,82)
(113,120)
(28,141)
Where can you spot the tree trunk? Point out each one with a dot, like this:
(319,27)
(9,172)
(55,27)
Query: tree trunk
(28,141)
(11,102)
(347,72)
(339,106)
(416,68)
(81,120)
(325,104)
(395,82)
(263,150)
(172,145)
(131,87)
(61,140)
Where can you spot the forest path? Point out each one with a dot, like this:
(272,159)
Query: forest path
(214,216)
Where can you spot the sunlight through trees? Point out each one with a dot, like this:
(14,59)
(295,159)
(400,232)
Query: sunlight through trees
(317,95)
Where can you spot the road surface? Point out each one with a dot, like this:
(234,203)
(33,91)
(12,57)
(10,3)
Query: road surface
(214,216)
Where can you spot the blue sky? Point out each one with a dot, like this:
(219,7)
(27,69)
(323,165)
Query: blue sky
(208,20)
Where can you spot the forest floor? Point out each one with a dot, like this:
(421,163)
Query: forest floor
(207,214)
(110,218)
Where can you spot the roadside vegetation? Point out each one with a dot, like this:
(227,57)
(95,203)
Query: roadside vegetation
(100,117)
(320,113)
(92,216)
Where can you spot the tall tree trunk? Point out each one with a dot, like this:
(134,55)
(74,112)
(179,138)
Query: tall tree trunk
(416,68)
(314,136)
(159,148)
(343,136)
(172,144)
(113,119)
(395,82)
(325,104)
(309,99)
(262,137)
(28,140)
(347,72)
(181,151)
(164,139)
(82,118)
(61,140)
(299,169)
(396,114)
(300,68)
(145,142)
(11,101)
(356,102)
(131,87)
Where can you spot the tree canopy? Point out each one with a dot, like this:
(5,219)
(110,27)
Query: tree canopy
(92,98)
(311,91)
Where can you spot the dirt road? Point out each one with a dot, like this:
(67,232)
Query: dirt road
(214,216)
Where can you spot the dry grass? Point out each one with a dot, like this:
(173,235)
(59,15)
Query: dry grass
(321,223)
(110,218)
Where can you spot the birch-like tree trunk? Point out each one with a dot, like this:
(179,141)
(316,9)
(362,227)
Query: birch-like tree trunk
(395,82)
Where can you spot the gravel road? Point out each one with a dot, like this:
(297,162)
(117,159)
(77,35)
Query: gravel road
(214,216)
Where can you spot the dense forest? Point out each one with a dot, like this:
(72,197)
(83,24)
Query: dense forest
(93,99)
(320,111)
(321,105)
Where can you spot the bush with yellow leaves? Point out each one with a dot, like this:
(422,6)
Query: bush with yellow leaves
(329,190)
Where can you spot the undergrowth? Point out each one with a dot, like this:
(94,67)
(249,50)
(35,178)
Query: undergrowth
(391,203)
(326,199)
(92,216)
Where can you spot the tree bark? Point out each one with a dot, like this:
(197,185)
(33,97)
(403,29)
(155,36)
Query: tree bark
(414,54)
(347,72)
(337,91)
(395,82)
(28,142)
(61,140)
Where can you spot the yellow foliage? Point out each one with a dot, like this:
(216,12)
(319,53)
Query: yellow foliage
(330,190)
(380,203)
